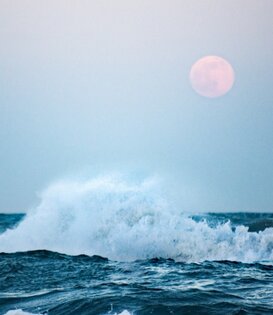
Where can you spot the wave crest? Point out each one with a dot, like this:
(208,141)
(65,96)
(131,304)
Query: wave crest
(109,217)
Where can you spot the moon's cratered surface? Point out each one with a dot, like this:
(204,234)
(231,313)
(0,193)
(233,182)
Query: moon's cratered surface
(212,76)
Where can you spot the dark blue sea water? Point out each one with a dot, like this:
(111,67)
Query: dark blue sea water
(211,264)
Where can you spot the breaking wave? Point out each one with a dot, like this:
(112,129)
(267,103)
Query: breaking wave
(110,217)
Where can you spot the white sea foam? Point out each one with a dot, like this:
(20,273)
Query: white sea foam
(125,312)
(18,312)
(108,217)
(21,312)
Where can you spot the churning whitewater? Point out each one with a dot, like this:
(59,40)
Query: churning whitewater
(112,218)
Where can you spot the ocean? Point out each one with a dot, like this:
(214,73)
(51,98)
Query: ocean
(108,248)
(48,282)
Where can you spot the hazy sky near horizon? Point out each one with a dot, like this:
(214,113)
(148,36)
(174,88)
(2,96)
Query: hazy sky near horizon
(104,85)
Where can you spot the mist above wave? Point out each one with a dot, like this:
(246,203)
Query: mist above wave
(110,217)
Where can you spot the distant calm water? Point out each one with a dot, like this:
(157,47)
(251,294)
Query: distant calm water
(43,281)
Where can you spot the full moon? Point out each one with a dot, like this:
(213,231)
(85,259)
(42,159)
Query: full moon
(211,76)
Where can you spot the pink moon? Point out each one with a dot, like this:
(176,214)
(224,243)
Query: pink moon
(212,76)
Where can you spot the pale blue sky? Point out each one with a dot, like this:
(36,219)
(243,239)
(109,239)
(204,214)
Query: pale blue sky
(103,85)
